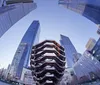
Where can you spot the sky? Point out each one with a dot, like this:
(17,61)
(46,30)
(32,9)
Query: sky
(54,20)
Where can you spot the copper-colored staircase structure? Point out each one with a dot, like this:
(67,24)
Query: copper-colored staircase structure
(47,62)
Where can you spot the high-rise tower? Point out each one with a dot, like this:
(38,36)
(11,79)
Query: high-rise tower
(90,44)
(87,69)
(88,8)
(69,50)
(22,54)
(13,11)
(96,50)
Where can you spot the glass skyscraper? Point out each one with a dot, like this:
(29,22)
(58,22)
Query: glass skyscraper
(69,50)
(96,50)
(22,55)
(88,8)
(12,12)
(87,68)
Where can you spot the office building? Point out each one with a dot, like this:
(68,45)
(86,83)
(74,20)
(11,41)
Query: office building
(87,69)
(96,50)
(70,50)
(90,44)
(22,55)
(77,56)
(13,12)
(27,77)
(88,8)
(47,63)
(69,78)
(7,72)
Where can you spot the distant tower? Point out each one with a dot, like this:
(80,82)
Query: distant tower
(96,50)
(22,54)
(69,50)
(90,44)
(13,11)
(47,63)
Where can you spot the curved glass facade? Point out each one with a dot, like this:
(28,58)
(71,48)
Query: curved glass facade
(10,14)
(69,50)
(88,8)
(22,54)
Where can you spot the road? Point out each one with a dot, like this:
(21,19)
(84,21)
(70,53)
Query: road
(1,83)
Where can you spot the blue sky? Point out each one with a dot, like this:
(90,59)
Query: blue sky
(54,20)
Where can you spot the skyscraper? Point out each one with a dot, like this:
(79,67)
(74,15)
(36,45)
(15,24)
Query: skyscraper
(13,12)
(90,44)
(87,69)
(96,50)
(22,54)
(69,50)
(88,8)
